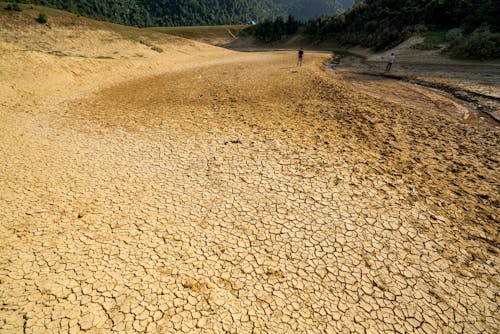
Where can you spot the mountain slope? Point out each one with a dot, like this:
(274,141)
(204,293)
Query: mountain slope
(305,10)
(207,12)
(144,13)
(385,23)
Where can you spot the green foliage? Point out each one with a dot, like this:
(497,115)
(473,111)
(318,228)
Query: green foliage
(194,12)
(385,23)
(118,11)
(270,31)
(143,42)
(13,6)
(435,37)
(481,44)
(327,25)
(151,46)
(433,40)
(157,49)
(207,12)
(144,13)
(305,10)
(454,34)
(42,18)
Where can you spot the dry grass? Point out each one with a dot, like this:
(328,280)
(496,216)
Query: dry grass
(64,19)
(216,35)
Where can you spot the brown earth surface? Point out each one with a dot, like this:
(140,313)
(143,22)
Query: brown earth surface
(202,190)
(475,83)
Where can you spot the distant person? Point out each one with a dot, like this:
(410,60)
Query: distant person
(392,58)
(301,57)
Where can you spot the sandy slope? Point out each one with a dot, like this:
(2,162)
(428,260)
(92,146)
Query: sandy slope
(203,190)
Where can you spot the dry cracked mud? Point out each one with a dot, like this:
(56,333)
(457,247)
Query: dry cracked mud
(248,196)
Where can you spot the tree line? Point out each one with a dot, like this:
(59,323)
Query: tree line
(385,23)
(143,13)
(472,27)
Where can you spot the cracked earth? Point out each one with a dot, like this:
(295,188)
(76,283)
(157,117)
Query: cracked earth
(248,196)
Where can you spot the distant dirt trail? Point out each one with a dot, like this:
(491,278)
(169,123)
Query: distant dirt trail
(243,194)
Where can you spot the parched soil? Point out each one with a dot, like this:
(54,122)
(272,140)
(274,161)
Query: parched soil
(474,83)
(239,193)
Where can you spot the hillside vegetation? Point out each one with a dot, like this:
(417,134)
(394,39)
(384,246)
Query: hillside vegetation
(305,10)
(470,28)
(143,13)
(383,23)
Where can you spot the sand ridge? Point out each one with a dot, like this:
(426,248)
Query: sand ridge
(213,191)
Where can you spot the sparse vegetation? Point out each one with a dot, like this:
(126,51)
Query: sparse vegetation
(454,34)
(435,37)
(157,49)
(42,18)
(146,43)
(151,46)
(58,53)
(14,6)
(433,40)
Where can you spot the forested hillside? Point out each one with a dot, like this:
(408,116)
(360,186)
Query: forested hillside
(460,28)
(195,12)
(207,12)
(384,23)
(305,10)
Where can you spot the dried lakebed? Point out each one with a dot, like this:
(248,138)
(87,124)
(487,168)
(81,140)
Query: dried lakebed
(247,197)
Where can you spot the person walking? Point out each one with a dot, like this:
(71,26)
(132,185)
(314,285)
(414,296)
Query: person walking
(301,57)
(392,58)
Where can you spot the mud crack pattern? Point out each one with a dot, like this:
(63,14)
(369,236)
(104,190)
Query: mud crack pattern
(251,198)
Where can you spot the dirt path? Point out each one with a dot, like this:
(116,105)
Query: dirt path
(249,196)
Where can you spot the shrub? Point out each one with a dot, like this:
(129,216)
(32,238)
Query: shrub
(151,46)
(481,44)
(453,34)
(435,37)
(14,6)
(420,28)
(42,18)
(157,49)
(387,38)
(143,42)
(58,53)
